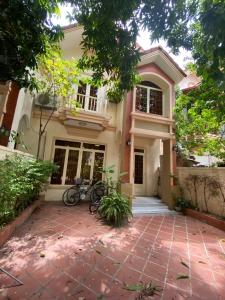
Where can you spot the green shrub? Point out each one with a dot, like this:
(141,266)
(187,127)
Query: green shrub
(114,209)
(21,180)
(183,203)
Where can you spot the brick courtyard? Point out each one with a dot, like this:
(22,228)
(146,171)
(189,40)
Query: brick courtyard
(66,253)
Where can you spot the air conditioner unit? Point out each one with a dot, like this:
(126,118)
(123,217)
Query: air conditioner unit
(46,101)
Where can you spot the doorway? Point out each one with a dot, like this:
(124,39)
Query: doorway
(139,172)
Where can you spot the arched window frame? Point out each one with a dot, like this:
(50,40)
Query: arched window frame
(147,109)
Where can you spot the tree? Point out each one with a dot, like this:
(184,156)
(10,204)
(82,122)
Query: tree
(110,33)
(200,123)
(111,29)
(25,31)
(55,77)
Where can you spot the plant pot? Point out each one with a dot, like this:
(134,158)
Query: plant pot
(7,231)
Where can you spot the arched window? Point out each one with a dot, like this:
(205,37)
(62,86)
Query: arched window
(149,98)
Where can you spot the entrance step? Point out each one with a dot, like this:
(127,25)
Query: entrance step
(150,205)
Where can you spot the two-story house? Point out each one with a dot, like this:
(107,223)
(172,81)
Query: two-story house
(136,135)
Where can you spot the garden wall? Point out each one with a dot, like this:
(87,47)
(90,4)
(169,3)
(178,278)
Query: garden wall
(204,187)
(4,151)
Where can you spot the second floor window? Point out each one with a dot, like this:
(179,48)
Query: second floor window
(87,96)
(149,98)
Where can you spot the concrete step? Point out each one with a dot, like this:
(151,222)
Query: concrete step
(160,204)
(150,205)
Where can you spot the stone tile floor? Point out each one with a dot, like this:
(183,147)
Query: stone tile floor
(66,253)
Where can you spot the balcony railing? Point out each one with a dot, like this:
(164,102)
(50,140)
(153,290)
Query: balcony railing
(89,104)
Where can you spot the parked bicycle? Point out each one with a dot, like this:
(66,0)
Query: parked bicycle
(93,189)
(103,188)
(84,189)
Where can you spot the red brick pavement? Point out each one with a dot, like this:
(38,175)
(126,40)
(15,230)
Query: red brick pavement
(66,253)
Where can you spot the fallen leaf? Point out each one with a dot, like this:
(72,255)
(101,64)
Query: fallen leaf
(97,251)
(116,263)
(182,277)
(184,264)
(100,297)
(101,242)
(133,287)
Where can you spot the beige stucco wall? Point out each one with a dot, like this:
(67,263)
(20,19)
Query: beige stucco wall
(56,130)
(213,194)
(151,163)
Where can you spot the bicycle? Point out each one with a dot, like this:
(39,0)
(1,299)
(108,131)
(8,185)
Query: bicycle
(73,195)
(100,190)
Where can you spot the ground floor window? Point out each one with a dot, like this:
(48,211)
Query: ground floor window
(77,159)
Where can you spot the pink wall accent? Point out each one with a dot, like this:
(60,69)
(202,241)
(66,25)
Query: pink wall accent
(125,167)
(153,68)
(126,150)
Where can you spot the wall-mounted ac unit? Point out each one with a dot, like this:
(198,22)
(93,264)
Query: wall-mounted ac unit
(46,101)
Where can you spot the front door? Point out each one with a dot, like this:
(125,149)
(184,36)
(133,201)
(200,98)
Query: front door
(139,174)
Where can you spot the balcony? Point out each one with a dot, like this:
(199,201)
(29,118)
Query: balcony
(89,104)
(151,112)
(91,114)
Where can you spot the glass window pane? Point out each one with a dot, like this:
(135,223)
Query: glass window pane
(86,165)
(94,146)
(98,164)
(93,91)
(71,171)
(139,150)
(150,84)
(155,102)
(82,88)
(138,174)
(141,99)
(59,159)
(67,143)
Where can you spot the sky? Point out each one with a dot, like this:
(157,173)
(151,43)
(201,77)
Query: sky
(143,39)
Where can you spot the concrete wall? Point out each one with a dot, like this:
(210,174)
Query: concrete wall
(206,188)
(4,151)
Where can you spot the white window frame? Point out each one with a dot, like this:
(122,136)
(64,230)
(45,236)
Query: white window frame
(81,150)
(148,96)
(87,98)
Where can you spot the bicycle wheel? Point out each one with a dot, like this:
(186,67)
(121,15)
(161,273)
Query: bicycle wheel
(71,196)
(96,195)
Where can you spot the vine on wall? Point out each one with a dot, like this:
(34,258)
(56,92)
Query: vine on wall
(210,185)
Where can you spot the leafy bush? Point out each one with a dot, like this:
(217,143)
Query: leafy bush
(21,180)
(114,209)
(183,203)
